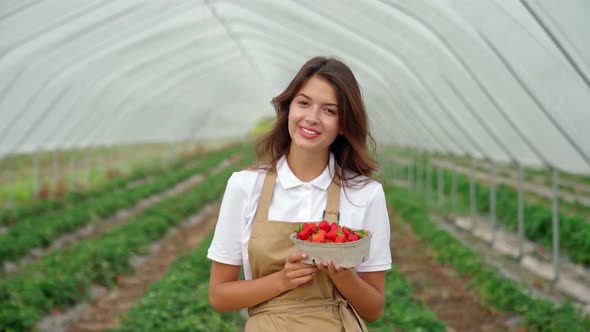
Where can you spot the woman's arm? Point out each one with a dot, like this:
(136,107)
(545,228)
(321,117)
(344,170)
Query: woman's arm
(364,290)
(227,293)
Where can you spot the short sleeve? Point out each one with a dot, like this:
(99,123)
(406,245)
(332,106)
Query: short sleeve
(377,220)
(226,244)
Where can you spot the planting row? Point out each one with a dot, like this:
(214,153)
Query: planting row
(494,290)
(39,207)
(40,231)
(574,233)
(65,277)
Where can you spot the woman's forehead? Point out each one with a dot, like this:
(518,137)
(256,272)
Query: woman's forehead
(319,91)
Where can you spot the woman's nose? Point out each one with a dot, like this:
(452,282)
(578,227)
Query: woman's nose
(313,115)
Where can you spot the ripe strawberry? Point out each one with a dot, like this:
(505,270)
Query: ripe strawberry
(324,225)
(332,234)
(304,234)
(351,237)
(341,238)
(334,226)
(320,236)
(345,230)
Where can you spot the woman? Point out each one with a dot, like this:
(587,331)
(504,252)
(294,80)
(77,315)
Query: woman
(316,151)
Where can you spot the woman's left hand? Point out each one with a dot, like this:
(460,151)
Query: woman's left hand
(332,269)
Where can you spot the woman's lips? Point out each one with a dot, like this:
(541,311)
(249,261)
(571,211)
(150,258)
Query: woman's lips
(308,133)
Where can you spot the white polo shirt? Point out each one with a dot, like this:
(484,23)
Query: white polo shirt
(296,201)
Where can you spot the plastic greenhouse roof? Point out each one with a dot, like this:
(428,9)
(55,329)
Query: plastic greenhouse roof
(506,80)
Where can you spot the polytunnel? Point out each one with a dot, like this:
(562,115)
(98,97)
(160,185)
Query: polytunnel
(122,121)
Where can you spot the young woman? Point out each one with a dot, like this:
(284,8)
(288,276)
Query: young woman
(314,165)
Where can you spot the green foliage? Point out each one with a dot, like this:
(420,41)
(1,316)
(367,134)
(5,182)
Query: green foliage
(180,300)
(402,311)
(495,291)
(64,277)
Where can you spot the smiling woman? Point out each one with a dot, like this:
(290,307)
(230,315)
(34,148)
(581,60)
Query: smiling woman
(316,150)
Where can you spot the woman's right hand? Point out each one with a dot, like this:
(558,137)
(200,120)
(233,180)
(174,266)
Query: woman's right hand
(295,273)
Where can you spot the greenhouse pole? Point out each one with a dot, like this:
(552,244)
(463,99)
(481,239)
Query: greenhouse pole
(9,184)
(71,171)
(472,192)
(520,214)
(410,172)
(555,224)
(428,179)
(419,174)
(35,174)
(493,202)
(87,166)
(454,188)
(440,187)
(55,161)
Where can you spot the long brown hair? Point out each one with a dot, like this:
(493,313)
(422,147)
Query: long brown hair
(351,148)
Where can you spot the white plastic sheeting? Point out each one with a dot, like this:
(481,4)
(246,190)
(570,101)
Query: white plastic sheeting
(501,79)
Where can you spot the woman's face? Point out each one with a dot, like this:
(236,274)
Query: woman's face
(313,116)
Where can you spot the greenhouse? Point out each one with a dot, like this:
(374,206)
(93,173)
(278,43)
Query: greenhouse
(124,123)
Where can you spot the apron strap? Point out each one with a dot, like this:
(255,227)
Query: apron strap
(332,213)
(268,187)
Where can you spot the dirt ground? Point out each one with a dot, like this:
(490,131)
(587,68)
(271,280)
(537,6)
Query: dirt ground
(440,288)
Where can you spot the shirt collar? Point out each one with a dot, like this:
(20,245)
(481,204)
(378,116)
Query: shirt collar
(289,180)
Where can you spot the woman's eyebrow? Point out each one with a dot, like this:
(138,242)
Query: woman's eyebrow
(326,104)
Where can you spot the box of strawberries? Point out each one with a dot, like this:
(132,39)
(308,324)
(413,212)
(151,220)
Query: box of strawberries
(325,241)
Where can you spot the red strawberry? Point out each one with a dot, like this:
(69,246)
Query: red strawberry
(332,234)
(320,236)
(304,234)
(351,237)
(334,226)
(324,225)
(345,230)
(341,238)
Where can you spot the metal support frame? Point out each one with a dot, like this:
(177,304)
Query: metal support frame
(472,206)
(454,188)
(555,189)
(35,174)
(493,221)
(428,179)
(521,233)
(440,187)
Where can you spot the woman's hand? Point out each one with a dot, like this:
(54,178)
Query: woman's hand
(295,273)
(331,268)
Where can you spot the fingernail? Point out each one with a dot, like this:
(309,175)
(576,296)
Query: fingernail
(303,254)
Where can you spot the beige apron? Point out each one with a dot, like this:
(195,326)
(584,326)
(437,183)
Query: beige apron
(317,305)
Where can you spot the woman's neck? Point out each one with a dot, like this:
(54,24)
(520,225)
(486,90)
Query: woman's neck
(307,165)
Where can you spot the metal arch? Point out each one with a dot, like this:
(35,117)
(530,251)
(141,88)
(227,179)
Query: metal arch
(471,73)
(470,107)
(258,14)
(286,46)
(44,30)
(89,50)
(101,84)
(188,91)
(537,102)
(423,83)
(231,35)
(291,32)
(414,74)
(14,11)
(133,88)
(557,43)
(164,91)
(395,54)
(379,114)
(138,67)
(182,68)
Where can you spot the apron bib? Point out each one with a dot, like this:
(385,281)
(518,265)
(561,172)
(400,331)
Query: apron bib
(316,305)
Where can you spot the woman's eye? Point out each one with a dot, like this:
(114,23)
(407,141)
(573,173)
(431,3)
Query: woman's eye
(330,111)
(303,103)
